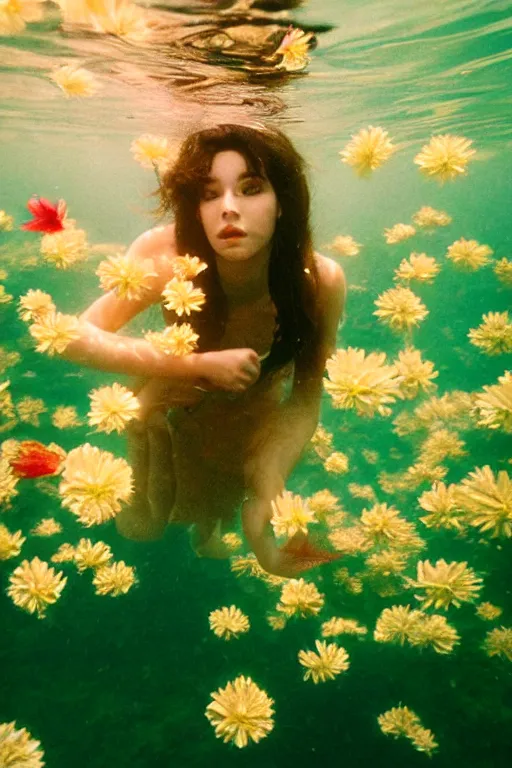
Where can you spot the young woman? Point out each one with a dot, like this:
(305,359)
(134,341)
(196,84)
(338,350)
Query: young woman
(221,429)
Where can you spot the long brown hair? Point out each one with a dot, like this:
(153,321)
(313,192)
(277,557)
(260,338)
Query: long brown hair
(292,273)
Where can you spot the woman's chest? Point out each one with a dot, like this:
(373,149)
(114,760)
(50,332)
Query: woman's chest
(250,325)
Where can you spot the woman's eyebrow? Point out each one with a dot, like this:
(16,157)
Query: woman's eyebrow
(242,177)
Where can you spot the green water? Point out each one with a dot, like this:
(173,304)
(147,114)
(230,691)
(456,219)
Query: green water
(125,681)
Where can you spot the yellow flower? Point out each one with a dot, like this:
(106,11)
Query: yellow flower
(337,626)
(352,584)
(64,248)
(233,541)
(384,526)
(34,586)
(54,332)
(416,374)
(94,484)
(75,81)
(362,382)
(329,661)
(181,297)
(276,621)
(445,157)
(386,563)
(323,502)
(228,622)
(10,543)
(89,555)
(8,359)
(115,579)
(128,277)
(359,491)
(494,335)
(502,270)
(368,150)
(398,233)
(14,14)
(434,631)
(493,407)
(112,407)
(469,254)
(337,463)
(29,409)
(176,339)
(322,442)
(488,501)
(419,267)
(344,245)
(400,308)
(300,598)
(64,554)
(395,624)
(5,298)
(440,502)
(6,221)
(153,152)
(350,541)
(47,527)
(35,305)
(423,740)
(65,417)
(290,514)
(445,584)
(294,49)
(429,217)
(125,20)
(241,711)
(398,721)
(441,444)
(453,407)
(488,611)
(187,267)
(498,642)
(8,483)
(17,747)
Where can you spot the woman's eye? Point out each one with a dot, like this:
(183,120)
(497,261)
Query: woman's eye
(208,194)
(252,189)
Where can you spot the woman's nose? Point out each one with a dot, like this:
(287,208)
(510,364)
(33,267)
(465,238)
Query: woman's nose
(229,204)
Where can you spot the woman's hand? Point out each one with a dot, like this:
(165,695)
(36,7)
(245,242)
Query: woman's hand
(231,370)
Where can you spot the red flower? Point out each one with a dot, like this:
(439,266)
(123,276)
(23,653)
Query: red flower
(37,460)
(47,217)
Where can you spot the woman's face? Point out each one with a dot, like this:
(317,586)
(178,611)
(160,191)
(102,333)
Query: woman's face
(238,209)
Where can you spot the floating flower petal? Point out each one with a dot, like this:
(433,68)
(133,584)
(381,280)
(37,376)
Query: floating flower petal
(428,217)
(112,408)
(445,157)
(34,586)
(33,459)
(494,335)
(291,514)
(65,248)
(469,254)
(74,81)
(48,217)
(400,308)
(228,622)
(177,339)
(181,297)
(329,661)
(445,584)
(115,580)
(35,305)
(54,332)
(241,711)
(128,277)
(300,598)
(368,150)
(17,747)
(10,543)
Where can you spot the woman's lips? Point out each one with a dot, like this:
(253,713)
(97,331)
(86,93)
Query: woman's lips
(231,232)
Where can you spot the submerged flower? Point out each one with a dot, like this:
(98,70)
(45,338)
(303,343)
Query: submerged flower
(383,525)
(153,152)
(400,308)
(65,417)
(488,611)
(87,554)
(445,157)
(323,502)
(14,15)
(94,484)
(419,267)
(291,514)
(241,711)
(416,374)
(434,631)
(344,245)
(440,503)
(502,270)
(337,463)
(395,624)
(5,298)
(487,500)
(445,584)
(116,579)
(322,441)
(35,305)
(300,598)
(54,332)
(181,297)
(178,339)
(112,407)
(469,254)
(48,217)
(494,335)
(398,233)
(122,19)
(493,406)
(294,49)
(47,527)
(75,81)
(127,276)
(228,622)
(8,482)
(29,410)
(428,217)
(10,543)
(17,747)
(232,541)
(187,267)
(362,382)
(33,459)
(6,221)
(34,586)
(65,248)
(498,642)
(64,554)
(329,661)
(398,721)
(423,740)
(368,150)
(337,626)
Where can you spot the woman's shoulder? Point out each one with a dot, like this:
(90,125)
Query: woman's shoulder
(159,245)
(331,277)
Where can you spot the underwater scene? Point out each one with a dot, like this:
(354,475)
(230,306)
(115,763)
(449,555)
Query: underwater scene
(385,639)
